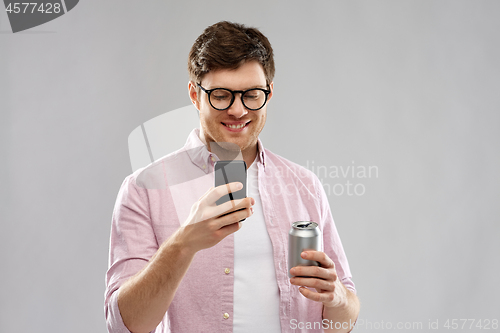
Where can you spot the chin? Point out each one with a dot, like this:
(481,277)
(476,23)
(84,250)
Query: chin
(242,144)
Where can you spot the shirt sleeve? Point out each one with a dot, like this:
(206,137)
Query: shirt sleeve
(132,244)
(331,240)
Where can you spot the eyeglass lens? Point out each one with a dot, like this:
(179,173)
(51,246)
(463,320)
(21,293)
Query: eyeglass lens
(252,99)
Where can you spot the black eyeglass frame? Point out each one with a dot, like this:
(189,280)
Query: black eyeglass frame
(242,92)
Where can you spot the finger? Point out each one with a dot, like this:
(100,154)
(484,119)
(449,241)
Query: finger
(317,297)
(234,217)
(319,284)
(229,229)
(234,205)
(320,257)
(314,271)
(210,212)
(222,190)
(229,191)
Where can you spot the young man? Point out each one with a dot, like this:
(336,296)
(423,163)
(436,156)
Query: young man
(178,264)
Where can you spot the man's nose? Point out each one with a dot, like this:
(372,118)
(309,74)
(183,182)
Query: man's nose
(237,109)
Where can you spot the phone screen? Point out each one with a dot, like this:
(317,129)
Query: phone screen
(228,172)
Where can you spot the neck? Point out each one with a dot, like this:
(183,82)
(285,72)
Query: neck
(249,155)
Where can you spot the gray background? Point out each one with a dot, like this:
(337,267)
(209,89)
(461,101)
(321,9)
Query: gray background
(411,87)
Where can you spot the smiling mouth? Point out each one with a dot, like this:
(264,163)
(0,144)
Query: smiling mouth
(236,126)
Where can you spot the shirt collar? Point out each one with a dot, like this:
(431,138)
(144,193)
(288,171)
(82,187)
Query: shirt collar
(261,153)
(201,157)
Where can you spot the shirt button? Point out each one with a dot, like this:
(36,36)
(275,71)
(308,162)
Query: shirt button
(227,271)
(213,159)
(204,167)
(226,315)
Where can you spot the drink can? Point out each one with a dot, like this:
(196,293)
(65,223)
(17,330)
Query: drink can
(303,235)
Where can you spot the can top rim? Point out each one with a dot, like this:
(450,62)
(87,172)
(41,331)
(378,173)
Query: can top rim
(304,225)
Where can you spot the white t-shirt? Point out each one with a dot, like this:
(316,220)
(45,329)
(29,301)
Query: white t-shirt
(256,294)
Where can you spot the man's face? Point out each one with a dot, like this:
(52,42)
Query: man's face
(214,123)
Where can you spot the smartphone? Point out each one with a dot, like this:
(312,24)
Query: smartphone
(228,172)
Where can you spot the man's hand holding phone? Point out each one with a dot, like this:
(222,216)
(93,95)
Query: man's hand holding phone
(205,227)
(209,223)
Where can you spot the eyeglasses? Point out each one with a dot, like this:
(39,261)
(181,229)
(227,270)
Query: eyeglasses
(221,98)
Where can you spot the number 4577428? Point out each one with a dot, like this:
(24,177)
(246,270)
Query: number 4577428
(24,8)
(484,324)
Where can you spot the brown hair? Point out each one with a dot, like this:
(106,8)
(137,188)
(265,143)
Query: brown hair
(227,45)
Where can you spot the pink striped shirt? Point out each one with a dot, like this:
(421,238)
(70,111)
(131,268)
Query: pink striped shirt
(154,201)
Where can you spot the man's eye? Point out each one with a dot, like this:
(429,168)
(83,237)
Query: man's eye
(220,97)
(251,96)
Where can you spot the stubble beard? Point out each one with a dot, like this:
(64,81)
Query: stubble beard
(213,134)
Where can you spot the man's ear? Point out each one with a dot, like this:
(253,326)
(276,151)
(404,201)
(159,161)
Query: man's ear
(193,95)
(271,87)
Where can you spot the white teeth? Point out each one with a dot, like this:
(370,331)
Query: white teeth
(235,126)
